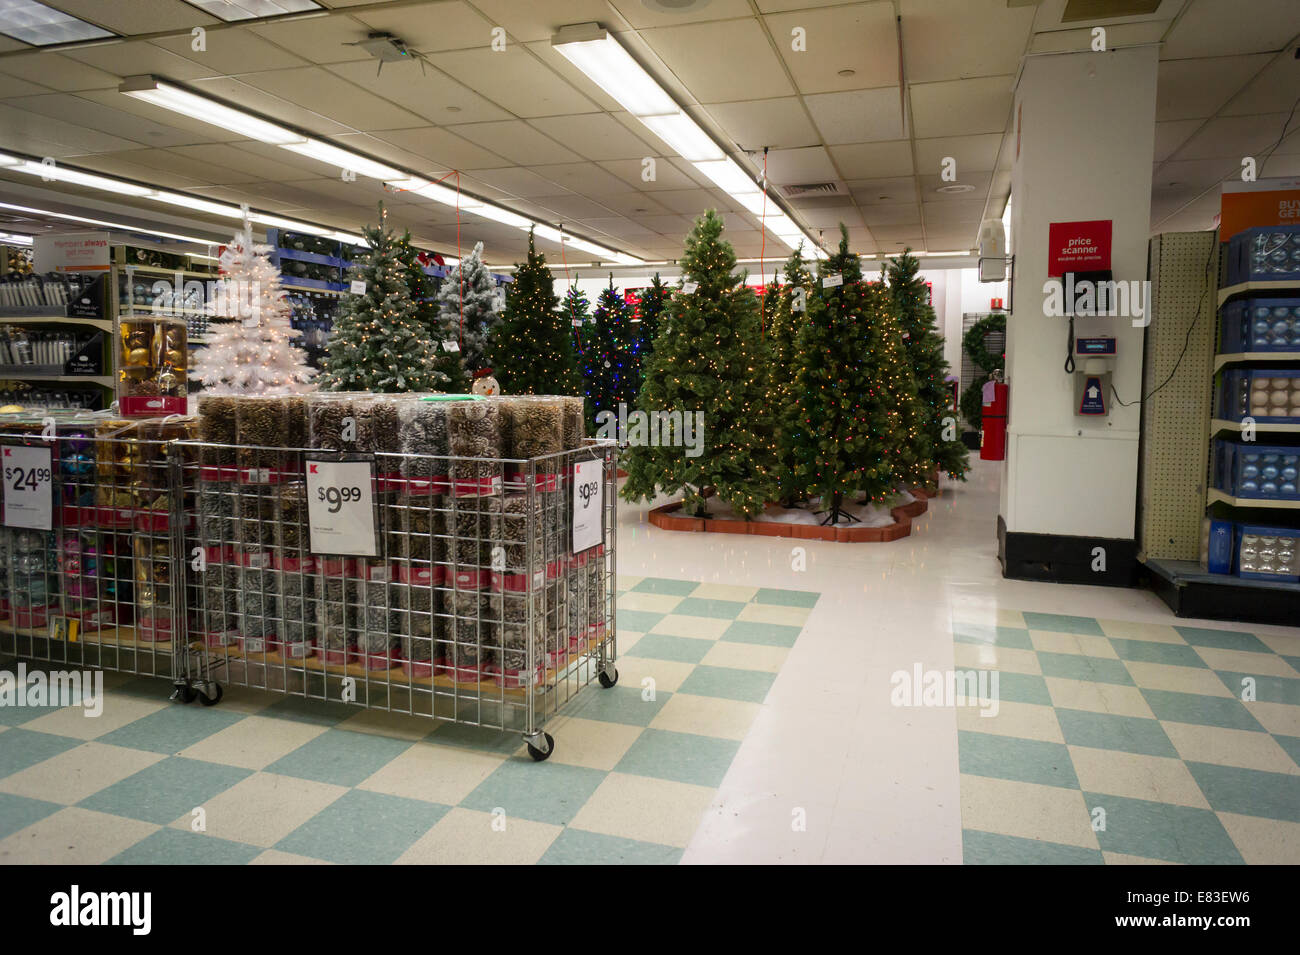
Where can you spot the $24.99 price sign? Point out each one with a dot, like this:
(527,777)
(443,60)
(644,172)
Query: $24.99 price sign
(588,505)
(340,508)
(28,487)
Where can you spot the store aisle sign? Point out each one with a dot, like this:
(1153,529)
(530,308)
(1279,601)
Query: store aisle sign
(588,505)
(340,507)
(28,487)
(78,252)
(1078,246)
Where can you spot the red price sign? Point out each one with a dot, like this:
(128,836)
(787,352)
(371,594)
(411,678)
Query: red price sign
(1078,246)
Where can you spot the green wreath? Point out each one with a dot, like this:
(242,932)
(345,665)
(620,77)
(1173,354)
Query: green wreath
(972,343)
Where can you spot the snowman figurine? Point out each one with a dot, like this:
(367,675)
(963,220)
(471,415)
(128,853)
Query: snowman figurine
(485,384)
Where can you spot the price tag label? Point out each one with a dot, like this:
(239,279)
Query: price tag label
(451,345)
(588,505)
(358,287)
(340,509)
(28,487)
(690,287)
(832,280)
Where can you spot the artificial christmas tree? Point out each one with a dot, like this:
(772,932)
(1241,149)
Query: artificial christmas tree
(469,308)
(377,343)
(252,351)
(531,348)
(787,307)
(424,291)
(925,354)
(645,325)
(710,357)
(844,430)
(609,370)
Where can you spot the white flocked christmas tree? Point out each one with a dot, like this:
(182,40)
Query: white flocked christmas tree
(250,346)
(482,306)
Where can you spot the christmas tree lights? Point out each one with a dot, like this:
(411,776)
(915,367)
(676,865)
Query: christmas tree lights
(531,349)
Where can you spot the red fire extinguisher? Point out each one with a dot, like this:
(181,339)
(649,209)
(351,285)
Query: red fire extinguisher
(993,431)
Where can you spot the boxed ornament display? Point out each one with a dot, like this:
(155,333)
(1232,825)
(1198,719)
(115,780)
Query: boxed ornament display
(1259,324)
(153,367)
(1269,396)
(1263,254)
(1254,470)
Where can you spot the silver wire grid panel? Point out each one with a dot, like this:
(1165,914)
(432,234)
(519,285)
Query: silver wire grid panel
(474,609)
(100,587)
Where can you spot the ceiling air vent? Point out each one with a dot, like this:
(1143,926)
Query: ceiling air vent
(808,190)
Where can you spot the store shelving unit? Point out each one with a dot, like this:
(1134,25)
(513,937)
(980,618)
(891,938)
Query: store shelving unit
(57,317)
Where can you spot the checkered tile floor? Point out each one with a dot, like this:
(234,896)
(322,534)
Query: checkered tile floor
(287,780)
(1126,742)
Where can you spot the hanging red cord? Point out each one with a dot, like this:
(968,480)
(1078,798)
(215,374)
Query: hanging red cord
(460,269)
(762,252)
(573,315)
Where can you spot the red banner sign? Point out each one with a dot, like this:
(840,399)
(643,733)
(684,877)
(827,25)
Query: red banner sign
(1078,246)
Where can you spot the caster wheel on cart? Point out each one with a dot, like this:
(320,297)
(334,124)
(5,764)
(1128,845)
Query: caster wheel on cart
(537,754)
(184,693)
(608,679)
(212,700)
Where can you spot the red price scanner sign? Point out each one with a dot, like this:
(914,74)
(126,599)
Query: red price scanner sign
(1078,247)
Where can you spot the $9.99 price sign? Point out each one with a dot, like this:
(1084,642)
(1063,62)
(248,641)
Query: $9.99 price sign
(588,505)
(28,487)
(340,508)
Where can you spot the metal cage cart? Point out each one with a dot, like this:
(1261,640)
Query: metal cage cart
(463,599)
(92,574)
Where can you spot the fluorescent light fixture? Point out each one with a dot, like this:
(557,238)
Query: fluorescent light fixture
(232,10)
(681,133)
(344,159)
(728,176)
(436,191)
(125,227)
(351,238)
(57,173)
(755,203)
(7,160)
(206,110)
(547,232)
(607,64)
(197,204)
(39,25)
(504,216)
(13,238)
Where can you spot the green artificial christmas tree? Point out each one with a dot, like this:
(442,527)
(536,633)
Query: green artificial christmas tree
(531,348)
(608,361)
(788,308)
(925,353)
(648,310)
(844,431)
(377,343)
(468,308)
(710,357)
(424,291)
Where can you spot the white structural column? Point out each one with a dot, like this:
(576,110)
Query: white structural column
(1085,126)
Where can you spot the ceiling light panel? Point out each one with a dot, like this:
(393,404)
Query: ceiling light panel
(607,64)
(232,10)
(39,25)
(686,138)
(56,173)
(344,159)
(207,111)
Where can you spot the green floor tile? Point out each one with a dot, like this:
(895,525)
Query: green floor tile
(1127,734)
(786,598)
(990,848)
(165,791)
(18,715)
(1153,830)
(1293,661)
(638,621)
(662,585)
(578,847)
(681,757)
(172,728)
(20,748)
(1023,688)
(708,607)
(1014,637)
(1268,689)
(363,828)
(662,646)
(1292,746)
(1149,651)
(765,634)
(1063,623)
(542,792)
(1222,639)
(618,704)
(729,683)
(19,812)
(1249,792)
(1199,709)
(1074,666)
(1008,757)
(181,847)
(339,757)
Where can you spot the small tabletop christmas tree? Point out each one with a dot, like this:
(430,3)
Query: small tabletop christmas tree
(531,348)
(925,351)
(709,356)
(252,350)
(377,343)
(468,308)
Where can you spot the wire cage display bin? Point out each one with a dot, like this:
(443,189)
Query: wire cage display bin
(94,580)
(462,600)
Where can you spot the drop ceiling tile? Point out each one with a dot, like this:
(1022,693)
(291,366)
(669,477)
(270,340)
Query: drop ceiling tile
(1079,39)
(667,225)
(128,17)
(19,122)
(860,37)
(246,96)
(961,107)
(693,53)
(971,153)
(618,227)
(790,166)
(517,141)
(1232,137)
(891,215)
(641,16)
(594,136)
(516,181)
(233,51)
(948,41)
(775,123)
(1171,135)
(582,178)
(12,86)
(423,90)
(56,71)
(666,175)
(92,115)
(133,58)
(830,218)
(929,184)
(944,214)
(32,145)
(319,90)
(1197,173)
(432,27)
(527,22)
(1195,89)
(958,241)
(319,40)
(858,116)
(1272,91)
(634,205)
(441,148)
(180,164)
(514,80)
(883,191)
(253,159)
(1220,29)
(873,160)
(689,202)
(114,164)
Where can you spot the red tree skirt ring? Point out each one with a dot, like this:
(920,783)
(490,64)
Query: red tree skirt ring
(665,517)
